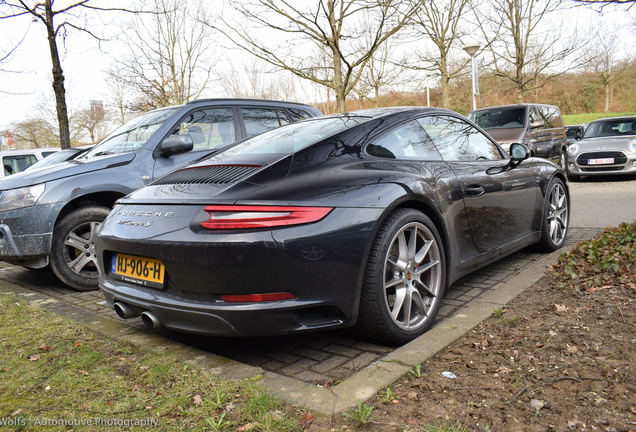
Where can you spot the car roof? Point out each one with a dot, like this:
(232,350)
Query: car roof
(388,111)
(621,118)
(235,101)
(525,104)
(28,151)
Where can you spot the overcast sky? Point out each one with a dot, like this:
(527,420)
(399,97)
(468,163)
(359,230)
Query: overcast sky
(26,78)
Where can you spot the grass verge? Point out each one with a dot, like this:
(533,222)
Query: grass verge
(574,119)
(56,375)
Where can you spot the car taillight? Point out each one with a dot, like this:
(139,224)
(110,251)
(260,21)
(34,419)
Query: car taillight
(256,298)
(242,217)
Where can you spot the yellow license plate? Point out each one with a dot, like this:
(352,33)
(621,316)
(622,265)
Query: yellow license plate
(144,271)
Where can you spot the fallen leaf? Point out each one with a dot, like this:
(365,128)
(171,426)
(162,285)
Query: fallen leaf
(572,349)
(307,420)
(198,400)
(33,357)
(77,344)
(16,412)
(45,347)
(83,372)
(561,308)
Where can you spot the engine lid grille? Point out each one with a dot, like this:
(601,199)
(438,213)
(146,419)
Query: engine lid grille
(210,174)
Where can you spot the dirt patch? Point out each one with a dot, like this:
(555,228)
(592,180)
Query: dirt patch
(553,360)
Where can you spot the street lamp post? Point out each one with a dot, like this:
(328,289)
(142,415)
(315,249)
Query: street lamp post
(471,50)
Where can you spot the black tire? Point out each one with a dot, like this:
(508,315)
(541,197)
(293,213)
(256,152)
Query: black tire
(556,216)
(420,278)
(73,257)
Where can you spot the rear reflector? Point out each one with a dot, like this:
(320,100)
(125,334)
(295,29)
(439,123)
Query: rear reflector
(256,298)
(242,217)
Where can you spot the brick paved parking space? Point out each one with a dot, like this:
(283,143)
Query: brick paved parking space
(320,358)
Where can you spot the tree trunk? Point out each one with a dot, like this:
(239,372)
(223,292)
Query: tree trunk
(607,98)
(58,80)
(443,69)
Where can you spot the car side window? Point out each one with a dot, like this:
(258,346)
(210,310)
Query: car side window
(209,128)
(298,114)
(457,140)
(259,120)
(407,141)
(18,163)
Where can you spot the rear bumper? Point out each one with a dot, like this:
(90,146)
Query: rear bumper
(221,319)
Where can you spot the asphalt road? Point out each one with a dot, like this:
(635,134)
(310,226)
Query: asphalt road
(598,202)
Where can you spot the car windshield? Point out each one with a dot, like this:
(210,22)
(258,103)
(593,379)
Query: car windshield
(132,135)
(610,128)
(499,118)
(294,137)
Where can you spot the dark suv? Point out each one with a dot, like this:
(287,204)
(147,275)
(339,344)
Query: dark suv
(538,126)
(49,215)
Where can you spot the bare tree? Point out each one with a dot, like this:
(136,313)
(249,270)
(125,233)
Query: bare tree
(381,71)
(57,22)
(252,80)
(169,59)
(326,27)
(440,22)
(526,49)
(89,121)
(603,63)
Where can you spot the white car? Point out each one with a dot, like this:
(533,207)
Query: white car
(608,147)
(15,161)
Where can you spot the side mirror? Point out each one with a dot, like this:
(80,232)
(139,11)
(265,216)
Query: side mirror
(176,144)
(519,152)
(537,124)
(578,136)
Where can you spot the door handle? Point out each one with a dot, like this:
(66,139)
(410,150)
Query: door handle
(475,190)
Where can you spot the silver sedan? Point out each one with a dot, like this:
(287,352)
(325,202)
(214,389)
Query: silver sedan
(608,147)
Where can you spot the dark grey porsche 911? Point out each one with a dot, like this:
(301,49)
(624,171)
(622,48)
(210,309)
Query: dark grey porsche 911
(359,219)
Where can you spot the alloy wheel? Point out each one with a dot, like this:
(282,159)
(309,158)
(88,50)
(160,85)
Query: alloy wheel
(412,276)
(558,213)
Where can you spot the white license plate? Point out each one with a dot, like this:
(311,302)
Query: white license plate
(605,161)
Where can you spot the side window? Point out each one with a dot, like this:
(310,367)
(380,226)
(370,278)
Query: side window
(533,115)
(15,164)
(298,114)
(209,128)
(259,120)
(457,140)
(548,115)
(407,141)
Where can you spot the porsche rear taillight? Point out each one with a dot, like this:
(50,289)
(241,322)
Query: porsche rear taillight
(244,217)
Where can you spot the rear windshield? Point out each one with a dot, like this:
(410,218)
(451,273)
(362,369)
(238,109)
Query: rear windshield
(500,118)
(609,128)
(294,137)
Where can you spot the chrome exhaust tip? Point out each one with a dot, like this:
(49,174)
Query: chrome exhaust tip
(124,310)
(150,320)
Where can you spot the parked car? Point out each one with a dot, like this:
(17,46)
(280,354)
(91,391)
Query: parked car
(61,156)
(15,161)
(354,219)
(49,215)
(539,127)
(608,147)
(574,133)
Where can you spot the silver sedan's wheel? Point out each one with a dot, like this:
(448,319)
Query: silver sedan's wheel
(556,216)
(404,280)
